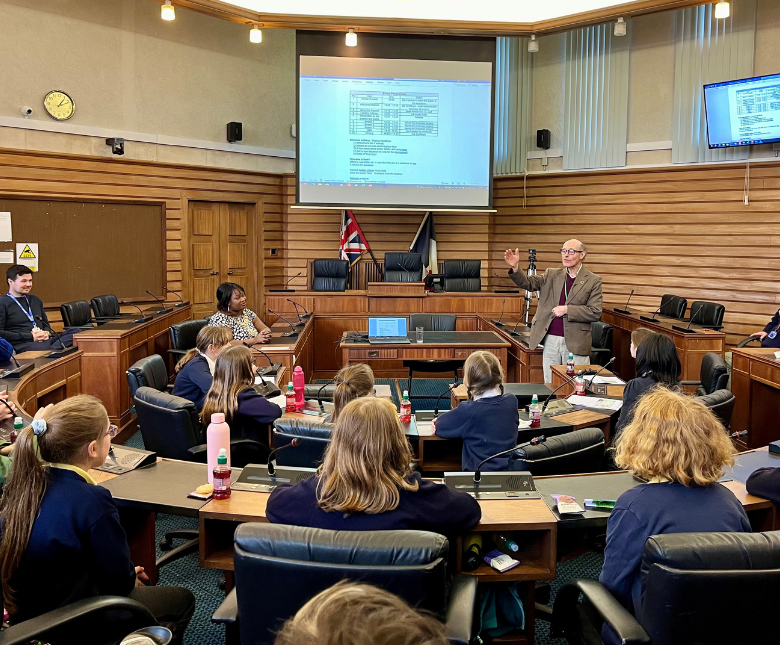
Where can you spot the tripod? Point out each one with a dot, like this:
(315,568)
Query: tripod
(529,294)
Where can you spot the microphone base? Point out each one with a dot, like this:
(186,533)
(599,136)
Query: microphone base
(160,311)
(515,333)
(305,316)
(684,330)
(648,319)
(269,370)
(290,334)
(142,320)
(182,304)
(18,372)
(59,353)
(621,311)
(299,324)
(281,291)
(506,290)
(498,323)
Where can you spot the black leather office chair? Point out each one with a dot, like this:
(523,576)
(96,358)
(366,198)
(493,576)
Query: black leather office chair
(581,451)
(410,564)
(601,343)
(673,306)
(683,579)
(721,402)
(330,275)
(106,307)
(118,616)
(403,267)
(713,375)
(148,372)
(431,322)
(462,275)
(77,314)
(183,336)
(707,314)
(314,436)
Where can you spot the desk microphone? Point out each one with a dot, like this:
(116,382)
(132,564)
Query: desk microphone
(302,317)
(271,465)
(625,311)
(17,371)
(293,333)
(162,304)
(566,382)
(300,322)
(65,350)
(273,368)
(269,389)
(734,435)
(534,442)
(319,394)
(498,322)
(655,313)
(409,273)
(181,301)
(688,330)
(438,400)
(143,317)
(513,332)
(513,289)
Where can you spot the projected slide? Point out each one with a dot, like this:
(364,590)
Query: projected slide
(743,112)
(394,132)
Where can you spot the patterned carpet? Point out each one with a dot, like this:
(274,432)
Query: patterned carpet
(204,582)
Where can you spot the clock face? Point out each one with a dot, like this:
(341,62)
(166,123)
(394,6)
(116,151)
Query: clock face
(59,105)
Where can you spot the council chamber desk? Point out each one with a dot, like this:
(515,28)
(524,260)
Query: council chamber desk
(755,382)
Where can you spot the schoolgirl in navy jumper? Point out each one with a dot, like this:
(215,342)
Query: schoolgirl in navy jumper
(195,370)
(352,382)
(678,445)
(232,392)
(61,537)
(366,482)
(488,421)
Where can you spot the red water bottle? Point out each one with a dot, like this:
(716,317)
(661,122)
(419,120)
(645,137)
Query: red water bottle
(299,385)
(222,476)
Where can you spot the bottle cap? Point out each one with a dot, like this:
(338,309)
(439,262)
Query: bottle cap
(298,368)
(406,394)
(222,458)
(534,399)
(218,417)
(290,385)
(18,423)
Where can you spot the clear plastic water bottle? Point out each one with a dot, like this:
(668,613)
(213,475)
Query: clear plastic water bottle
(221,476)
(580,385)
(406,408)
(289,398)
(535,412)
(570,365)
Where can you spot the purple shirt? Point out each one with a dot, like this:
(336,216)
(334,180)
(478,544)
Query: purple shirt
(556,326)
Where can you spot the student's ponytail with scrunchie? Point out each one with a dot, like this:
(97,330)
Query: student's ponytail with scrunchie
(352,382)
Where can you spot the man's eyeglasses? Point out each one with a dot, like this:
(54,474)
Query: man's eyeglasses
(113,430)
(569,251)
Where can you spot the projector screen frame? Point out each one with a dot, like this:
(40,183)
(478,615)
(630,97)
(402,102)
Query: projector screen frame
(398,47)
(707,116)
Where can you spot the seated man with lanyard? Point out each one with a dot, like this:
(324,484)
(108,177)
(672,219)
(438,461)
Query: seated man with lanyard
(23,322)
(770,336)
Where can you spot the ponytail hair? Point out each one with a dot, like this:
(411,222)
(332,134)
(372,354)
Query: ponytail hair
(482,372)
(352,382)
(71,426)
(233,373)
(217,336)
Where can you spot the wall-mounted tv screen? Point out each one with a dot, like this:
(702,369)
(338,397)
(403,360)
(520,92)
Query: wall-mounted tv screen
(743,112)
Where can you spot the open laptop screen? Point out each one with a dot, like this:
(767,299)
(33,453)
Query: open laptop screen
(379,327)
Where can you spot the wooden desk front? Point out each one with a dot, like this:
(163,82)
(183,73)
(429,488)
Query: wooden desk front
(524,364)
(691,348)
(755,381)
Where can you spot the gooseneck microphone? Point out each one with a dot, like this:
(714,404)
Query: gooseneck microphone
(513,332)
(625,311)
(41,320)
(438,400)
(319,394)
(301,317)
(653,319)
(297,275)
(162,304)
(271,465)
(143,317)
(181,301)
(286,284)
(273,368)
(498,322)
(534,442)
(293,333)
(60,352)
(688,330)
(606,365)
(552,394)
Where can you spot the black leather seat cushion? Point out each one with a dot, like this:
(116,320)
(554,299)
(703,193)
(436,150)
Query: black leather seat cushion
(462,275)
(433,322)
(721,402)
(330,275)
(76,313)
(673,306)
(105,306)
(403,267)
(707,314)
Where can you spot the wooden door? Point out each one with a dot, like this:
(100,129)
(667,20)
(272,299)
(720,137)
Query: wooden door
(222,249)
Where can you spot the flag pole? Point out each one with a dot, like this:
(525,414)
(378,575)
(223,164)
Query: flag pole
(379,268)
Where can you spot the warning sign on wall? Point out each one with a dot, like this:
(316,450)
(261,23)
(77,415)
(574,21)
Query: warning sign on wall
(27,254)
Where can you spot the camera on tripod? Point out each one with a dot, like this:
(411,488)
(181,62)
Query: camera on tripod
(532,258)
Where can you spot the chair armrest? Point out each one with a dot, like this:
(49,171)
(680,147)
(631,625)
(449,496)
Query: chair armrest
(227,612)
(179,353)
(460,609)
(747,340)
(690,382)
(199,453)
(626,627)
(595,350)
(40,627)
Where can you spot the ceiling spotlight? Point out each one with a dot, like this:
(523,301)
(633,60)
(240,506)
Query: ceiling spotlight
(167,12)
(722,10)
(351,39)
(255,35)
(533,44)
(620,27)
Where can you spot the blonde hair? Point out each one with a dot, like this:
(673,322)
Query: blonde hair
(352,613)
(673,436)
(217,336)
(233,373)
(367,461)
(482,372)
(639,334)
(352,382)
(71,425)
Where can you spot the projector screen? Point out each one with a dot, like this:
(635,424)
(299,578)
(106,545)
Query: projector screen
(394,132)
(743,112)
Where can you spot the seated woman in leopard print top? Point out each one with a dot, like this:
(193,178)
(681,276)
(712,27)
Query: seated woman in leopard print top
(233,313)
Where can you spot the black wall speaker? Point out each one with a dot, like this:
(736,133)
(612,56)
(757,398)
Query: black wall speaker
(543,139)
(234,131)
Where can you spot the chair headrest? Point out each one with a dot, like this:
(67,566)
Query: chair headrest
(76,313)
(400,261)
(105,305)
(462,268)
(331,268)
(304,427)
(377,548)
(433,322)
(163,400)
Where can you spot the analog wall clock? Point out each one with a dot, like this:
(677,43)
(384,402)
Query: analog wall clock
(59,105)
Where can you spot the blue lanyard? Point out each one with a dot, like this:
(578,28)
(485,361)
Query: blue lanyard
(27,313)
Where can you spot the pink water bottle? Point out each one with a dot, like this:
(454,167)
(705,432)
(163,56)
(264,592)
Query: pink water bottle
(299,385)
(217,437)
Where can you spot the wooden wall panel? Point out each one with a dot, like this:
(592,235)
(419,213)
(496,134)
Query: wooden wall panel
(57,176)
(312,234)
(672,230)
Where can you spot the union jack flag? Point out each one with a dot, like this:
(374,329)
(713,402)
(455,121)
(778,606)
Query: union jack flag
(353,242)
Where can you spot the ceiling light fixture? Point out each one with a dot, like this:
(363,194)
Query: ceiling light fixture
(533,44)
(255,35)
(620,27)
(351,38)
(722,10)
(167,12)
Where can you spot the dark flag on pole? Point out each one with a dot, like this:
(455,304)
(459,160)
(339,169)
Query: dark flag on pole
(425,244)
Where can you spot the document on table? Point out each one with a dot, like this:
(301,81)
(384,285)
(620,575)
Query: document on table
(595,402)
(424,428)
(609,380)
(280,400)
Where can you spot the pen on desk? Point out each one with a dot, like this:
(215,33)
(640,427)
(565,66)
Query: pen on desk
(112,455)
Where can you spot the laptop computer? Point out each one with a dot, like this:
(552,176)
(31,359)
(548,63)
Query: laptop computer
(387,330)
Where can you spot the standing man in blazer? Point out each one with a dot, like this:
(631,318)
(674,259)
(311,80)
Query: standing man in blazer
(569,301)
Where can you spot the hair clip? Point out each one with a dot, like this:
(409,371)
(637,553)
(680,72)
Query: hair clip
(38,426)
